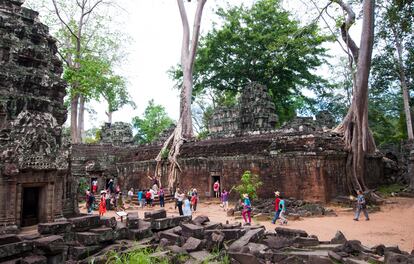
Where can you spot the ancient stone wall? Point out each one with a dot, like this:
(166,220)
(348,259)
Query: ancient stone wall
(33,158)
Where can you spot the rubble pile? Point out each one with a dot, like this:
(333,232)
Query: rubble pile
(180,239)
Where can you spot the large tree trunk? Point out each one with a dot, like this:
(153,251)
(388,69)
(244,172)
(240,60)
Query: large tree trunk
(357,136)
(184,128)
(403,80)
(109,114)
(74,119)
(81,119)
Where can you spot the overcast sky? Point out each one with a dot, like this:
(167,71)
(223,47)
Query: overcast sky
(155,29)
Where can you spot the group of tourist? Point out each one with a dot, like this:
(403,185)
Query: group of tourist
(110,198)
(186,203)
(146,197)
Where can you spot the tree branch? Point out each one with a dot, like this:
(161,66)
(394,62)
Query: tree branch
(186,33)
(196,31)
(61,19)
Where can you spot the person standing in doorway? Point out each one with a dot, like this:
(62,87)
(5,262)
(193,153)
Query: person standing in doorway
(361,206)
(216,189)
(161,196)
(277,209)
(247,209)
(94,186)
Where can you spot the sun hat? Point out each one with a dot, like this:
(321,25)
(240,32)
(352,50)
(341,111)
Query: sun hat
(103,191)
(277,193)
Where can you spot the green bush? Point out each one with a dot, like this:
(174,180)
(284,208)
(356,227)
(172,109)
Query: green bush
(139,256)
(249,184)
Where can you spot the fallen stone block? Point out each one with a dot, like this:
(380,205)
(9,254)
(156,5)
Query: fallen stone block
(350,247)
(229,234)
(173,238)
(191,230)
(244,258)
(193,244)
(108,221)
(232,225)
(287,232)
(54,228)
(157,214)
(253,235)
(105,233)
(201,219)
(143,232)
(169,222)
(177,250)
(81,252)
(335,256)
(87,238)
(55,259)
(396,258)
(9,239)
(216,240)
(277,242)
(51,244)
(305,241)
(34,259)
(84,223)
(319,260)
(133,221)
(257,249)
(201,256)
(121,231)
(211,226)
(339,238)
(379,249)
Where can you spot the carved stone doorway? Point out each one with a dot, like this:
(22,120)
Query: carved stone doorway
(33,205)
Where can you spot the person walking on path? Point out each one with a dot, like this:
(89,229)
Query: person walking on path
(102,204)
(361,206)
(216,189)
(225,199)
(161,195)
(194,200)
(277,209)
(247,209)
(282,208)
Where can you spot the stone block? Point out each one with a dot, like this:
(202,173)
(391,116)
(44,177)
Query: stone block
(51,244)
(276,242)
(173,238)
(8,239)
(157,214)
(177,250)
(229,234)
(133,222)
(215,240)
(142,232)
(339,238)
(121,231)
(87,238)
(257,249)
(84,223)
(108,221)
(396,258)
(193,244)
(287,232)
(54,228)
(13,249)
(169,222)
(253,235)
(211,226)
(191,230)
(305,241)
(244,258)
(201,219)
(36,259)
(81,252)
(105,233)
(201,256)
(232,225)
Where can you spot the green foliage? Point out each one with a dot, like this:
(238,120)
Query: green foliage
(259,44)
(83,185)
(93,135)
(248,184)
(152,124)
(139,256)
(164,153)
(388,190)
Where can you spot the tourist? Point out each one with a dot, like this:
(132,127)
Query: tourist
(107,201)
(94,186)
(216,189)
(361,205)
(247,208)
(91,202)
(187,207)
(117,189)
(225,199)
(120,202)
(152,192)
(282,208)
(111,186)
(277,209)
(102,203)
(194,200)
(87,195)
(176,195)
(148,198)
(130,194)
(180,199)
(140,198)
(161,196)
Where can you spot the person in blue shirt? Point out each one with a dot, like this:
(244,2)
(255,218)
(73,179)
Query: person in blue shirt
(361,206)
(282,209)
(247,209)
(140,200)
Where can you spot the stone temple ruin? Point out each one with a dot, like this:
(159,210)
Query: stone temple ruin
(34,178)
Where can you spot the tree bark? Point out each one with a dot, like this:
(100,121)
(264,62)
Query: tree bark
(81,119)
(109,114)
(404,87)
(357,136)
(74,119)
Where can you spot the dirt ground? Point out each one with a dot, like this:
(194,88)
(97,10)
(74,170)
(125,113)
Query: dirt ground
(393,225)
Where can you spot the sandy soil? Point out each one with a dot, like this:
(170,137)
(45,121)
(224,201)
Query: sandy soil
(393,225)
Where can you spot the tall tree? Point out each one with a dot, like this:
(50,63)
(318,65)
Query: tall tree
(264,44)
(184,128)
(357,136)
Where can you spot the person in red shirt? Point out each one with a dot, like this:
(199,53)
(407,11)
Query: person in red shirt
(277,209)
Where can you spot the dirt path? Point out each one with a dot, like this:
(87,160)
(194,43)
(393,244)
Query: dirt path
(393,225)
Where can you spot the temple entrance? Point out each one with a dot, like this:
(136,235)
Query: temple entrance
(30,207)
(213,180)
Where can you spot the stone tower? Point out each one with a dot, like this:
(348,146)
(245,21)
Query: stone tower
(34,183)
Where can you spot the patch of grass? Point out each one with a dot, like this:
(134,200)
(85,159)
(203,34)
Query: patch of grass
(387,190)
(140,256)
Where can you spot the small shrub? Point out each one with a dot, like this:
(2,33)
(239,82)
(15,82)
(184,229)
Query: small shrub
(249,184)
